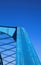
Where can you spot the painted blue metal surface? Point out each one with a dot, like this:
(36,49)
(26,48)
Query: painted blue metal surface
(26,54)
(7,30)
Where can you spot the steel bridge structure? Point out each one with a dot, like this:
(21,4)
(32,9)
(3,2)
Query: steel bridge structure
(16,48)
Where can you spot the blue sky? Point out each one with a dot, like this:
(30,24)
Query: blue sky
(23,13)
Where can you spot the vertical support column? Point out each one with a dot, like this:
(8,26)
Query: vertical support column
(1,62)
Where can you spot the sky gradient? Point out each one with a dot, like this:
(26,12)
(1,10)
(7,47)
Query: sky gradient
(25,14)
